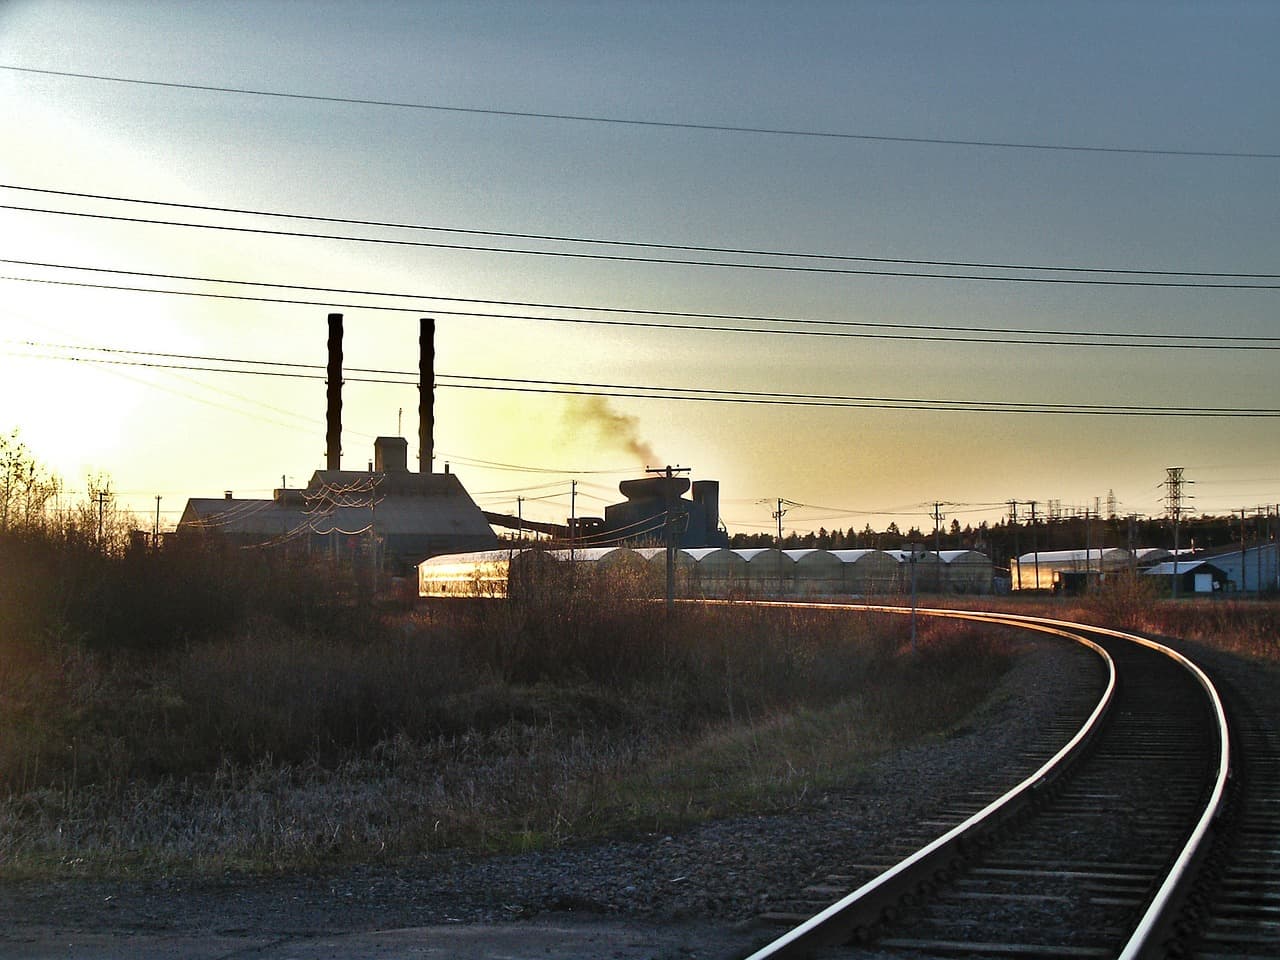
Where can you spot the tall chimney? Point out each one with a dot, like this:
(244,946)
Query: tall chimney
(333,435)
(426,393)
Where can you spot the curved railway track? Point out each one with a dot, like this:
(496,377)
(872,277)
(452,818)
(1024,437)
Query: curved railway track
(1097,854)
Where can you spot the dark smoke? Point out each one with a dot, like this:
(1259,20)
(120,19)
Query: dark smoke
(613,428)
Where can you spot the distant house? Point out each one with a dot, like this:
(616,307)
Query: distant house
(1191,576)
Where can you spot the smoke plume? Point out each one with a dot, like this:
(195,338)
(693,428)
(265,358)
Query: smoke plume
(610,427)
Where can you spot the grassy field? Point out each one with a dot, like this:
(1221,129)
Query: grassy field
(281,744)
(206,714)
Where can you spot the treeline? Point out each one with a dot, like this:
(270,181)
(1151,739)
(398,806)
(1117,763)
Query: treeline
(1006,539)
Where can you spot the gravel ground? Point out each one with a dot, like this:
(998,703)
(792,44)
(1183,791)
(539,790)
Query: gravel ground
(694,894)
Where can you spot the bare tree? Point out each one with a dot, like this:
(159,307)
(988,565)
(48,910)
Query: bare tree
(99,517)
(27,489)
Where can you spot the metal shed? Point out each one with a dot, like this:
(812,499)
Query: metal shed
(1049,566)
(1191,576)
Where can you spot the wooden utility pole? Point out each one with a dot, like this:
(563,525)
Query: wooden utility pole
(669,472)
(1013,528)
(573,517)
(102,497)
(1035,545)
(778,515)
(1244,558)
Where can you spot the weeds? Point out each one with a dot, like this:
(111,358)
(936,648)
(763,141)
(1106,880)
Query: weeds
(288,740)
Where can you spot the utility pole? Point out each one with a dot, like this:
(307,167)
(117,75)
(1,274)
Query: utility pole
(1088,550)
(1013,526)
(669,472)
(573,517)
(1035,546)
(937,527)
(373,538)
(1257,545)
(1244,578)
(778,515)
(102,497)
(155,531)
(520,519)
(915,552)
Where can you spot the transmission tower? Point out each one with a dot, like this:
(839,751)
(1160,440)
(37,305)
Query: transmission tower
(1173,492)
(1173,497)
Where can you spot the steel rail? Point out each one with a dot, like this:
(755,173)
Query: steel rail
(839,921)
(1146,936)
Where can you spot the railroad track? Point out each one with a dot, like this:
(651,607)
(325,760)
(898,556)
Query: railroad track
(1234,909)
(1123,845)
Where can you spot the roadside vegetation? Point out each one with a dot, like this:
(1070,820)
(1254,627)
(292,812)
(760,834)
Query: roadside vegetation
(281,740)
(1245,625)
(205,711)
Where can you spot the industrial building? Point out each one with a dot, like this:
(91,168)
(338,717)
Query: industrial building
(709,572)
(387,514)
(652,508)
(1069,570)
(1251,570)
(651,505)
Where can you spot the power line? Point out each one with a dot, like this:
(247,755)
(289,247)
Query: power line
(1018,336)
(658,392)
(663,124)
(600,241)
(663,261)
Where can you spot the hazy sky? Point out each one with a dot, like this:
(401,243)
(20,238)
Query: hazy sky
(1178,100)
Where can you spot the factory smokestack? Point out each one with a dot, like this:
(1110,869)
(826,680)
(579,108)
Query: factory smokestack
(426,393)
(333,435)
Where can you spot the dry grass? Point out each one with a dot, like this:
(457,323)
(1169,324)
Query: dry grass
(308,729)
(1247,626)
(491,726)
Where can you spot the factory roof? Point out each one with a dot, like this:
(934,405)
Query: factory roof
(433,508)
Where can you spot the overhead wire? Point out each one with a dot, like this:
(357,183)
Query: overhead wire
(637,122)
(654,260)
(709,395)
(783,326)
(602,241)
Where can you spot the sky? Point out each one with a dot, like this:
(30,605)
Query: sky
(661,200)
